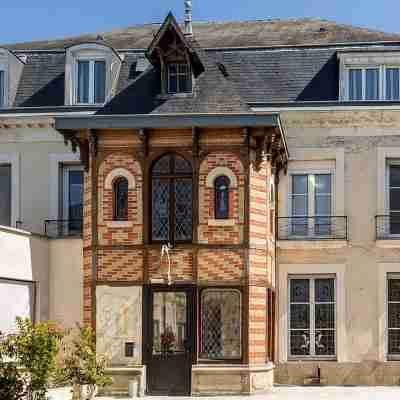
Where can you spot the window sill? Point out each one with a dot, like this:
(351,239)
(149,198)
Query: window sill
(388,243)
(174,95)
(312,244)
(119,224)
(221,222)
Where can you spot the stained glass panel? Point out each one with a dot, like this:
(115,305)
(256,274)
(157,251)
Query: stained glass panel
(221,197)
(299,316)
(160,210)
(299,290)
(324,290)
(163,166)
(221,324)
(394,290)
(183,209)
(324,316)
(182,166)
(121,199)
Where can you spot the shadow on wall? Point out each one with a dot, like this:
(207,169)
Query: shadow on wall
(324,85)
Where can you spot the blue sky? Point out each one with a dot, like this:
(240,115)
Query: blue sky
(25,20)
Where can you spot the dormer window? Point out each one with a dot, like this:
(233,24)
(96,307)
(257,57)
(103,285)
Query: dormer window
(91,88)
(179,78)
(2,89)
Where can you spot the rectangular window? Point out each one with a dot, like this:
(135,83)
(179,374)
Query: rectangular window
(73,199)
(91,88)
(179,78)
(311,196)
(2,89)
(392,84)
(393,323)
(394,198)
(221,319)
(5,194)
(312,320)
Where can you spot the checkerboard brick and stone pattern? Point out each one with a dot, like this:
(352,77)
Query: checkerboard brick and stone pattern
(181,265)
(120,266)
(221,267)
(111,235)
(219,233)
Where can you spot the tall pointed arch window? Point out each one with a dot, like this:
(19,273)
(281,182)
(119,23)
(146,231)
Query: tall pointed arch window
(221,195)
(121,187)
(172,197)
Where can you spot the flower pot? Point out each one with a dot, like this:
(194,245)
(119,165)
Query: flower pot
(84,392)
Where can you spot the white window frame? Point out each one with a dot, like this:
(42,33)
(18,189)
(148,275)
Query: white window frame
(312,304)
(382,80)
(311,196)
(189,74)
(13,159)
(91,60)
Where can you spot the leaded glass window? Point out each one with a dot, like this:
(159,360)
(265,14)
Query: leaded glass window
(121,199)
(172,198)
(393,322)
(312,327)
(220,324)
(221,194)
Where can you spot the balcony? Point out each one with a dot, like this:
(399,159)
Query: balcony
(63,228)
(388,227)
(315,229)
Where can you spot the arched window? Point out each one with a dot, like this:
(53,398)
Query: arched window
(171,214)
(120,188)
(221,195)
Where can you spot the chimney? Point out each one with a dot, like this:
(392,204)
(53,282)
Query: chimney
(188,18)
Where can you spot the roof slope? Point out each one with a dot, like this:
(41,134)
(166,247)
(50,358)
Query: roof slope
(263,33)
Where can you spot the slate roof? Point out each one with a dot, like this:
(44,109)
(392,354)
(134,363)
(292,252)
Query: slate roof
(265,74)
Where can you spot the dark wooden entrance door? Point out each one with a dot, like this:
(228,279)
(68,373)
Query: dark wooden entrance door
(170,345)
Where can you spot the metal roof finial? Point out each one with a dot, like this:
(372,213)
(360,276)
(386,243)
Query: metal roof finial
(188,18)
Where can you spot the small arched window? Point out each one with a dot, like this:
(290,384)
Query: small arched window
(221,190)
(120,187)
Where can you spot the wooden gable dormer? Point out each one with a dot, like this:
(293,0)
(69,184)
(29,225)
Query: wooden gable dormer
(174,55)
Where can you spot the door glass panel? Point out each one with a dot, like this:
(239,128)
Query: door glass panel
(169,322)
(5,195)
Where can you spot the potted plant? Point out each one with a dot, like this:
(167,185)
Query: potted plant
(35,348)
(82,367)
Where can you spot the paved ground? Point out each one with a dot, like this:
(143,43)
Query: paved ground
(305,393)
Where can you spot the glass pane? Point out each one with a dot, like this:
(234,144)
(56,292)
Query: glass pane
(182,166)
(300,184)
(394,176)
(221,197)
(323,205)
(372,84)
(392,84)
(299,205)
(324,290)
(99,81)
(183,69)
(325,316)
(323,226)
(299,226)
(169,322)
(183,209)
(299,290)
(5,195)
(394,341)
(394,223)
(220,324)
(172,68)
(323,184)
(299,343)
(185,83)
(394,198)
(83,81)
(163,166)
(75,200)
(394,315)
(160,210)
(355,84)
(325,343)
(173,84)
(299,316)
(121,199)
(394,290)
(2,89)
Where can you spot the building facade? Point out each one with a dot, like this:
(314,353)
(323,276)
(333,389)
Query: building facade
(235,188)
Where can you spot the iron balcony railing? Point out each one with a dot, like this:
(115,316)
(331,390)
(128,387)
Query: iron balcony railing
(56,228)
(312,228)
(388,226)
